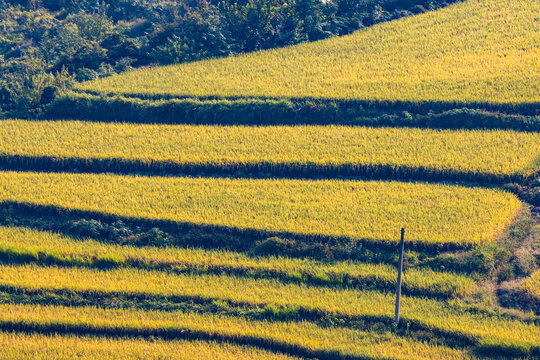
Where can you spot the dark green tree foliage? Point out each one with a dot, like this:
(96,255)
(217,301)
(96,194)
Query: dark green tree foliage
(45,44)
(196,35)
(262,24)
(26,85)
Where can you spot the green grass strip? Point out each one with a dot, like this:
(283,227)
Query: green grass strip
(102,108)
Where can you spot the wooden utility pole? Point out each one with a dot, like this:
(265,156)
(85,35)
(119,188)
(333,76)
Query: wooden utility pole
(400,270)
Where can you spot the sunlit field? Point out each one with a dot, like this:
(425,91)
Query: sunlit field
(492,155)
(478,51)
(251,207)
(435,214)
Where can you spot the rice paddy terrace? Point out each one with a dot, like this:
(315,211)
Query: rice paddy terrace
(250,207)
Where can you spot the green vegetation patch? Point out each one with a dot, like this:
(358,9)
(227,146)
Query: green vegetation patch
(254,111)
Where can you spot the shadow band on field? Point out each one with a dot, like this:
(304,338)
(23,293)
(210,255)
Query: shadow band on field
(178,333)
(55,218)
(420,107)
(196,304)
(247,310)
(407,329)
(192,304)
(271,112)
(258,170)
(331,280)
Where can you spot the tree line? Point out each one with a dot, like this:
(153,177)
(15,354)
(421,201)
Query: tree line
(47,45)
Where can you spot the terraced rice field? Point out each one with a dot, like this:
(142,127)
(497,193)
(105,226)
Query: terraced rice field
(301,337)
(288,150)
(293,306)
(360,210)
(532,285)
(48,347)
(125,240)
(478,51)
(34,246)
(244,292)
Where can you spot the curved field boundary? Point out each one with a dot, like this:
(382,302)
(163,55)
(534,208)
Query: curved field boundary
(241,239)
(347,306)
(246,310)
(20,345)
(174,334)
(418,107)
(438,216)
(260,170)
(332,340)
(11,256)
(290,348)
(440,286)
(275,151)
(489,56)
(57,219)
(289,112)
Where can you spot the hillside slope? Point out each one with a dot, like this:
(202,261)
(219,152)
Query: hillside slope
(162,239)
(478,51)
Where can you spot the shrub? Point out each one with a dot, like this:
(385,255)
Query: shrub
(85,74)
(486,257)
(274,246)
(88,228)
(155,237)
(119,230)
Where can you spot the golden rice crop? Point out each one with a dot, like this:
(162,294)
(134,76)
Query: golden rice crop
(262,292)
(307,335)
(26,241)
(532,285)
(65,347)
(501,153)
(434,214)
(473,51)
